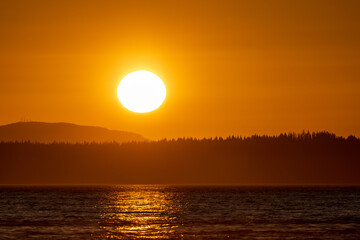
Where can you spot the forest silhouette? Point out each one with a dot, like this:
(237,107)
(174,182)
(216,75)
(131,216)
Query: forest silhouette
(319,158)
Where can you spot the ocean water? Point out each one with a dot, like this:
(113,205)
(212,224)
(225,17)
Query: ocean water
(179,212)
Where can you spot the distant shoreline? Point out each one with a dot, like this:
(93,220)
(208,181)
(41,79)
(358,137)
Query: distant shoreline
(302,159)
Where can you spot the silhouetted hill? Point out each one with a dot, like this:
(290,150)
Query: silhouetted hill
(62,132)
(287,159)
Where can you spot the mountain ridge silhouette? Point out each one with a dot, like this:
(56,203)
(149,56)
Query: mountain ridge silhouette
(44,132)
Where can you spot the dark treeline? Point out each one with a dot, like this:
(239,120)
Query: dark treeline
(287,159)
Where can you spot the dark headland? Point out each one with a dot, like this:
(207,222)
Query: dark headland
(319,158)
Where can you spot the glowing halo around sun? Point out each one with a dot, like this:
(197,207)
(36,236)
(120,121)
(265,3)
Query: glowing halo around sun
(141,91)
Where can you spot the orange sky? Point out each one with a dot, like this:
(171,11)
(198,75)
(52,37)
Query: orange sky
(230,67)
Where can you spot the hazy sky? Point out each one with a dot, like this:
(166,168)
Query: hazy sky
(230,67)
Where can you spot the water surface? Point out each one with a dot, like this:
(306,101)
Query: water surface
(168,212)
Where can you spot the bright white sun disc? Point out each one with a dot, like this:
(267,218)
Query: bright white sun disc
(141,91)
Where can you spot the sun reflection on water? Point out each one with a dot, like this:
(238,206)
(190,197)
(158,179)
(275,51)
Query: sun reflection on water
(140,211)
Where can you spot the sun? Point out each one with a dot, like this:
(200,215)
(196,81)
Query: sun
(141,91)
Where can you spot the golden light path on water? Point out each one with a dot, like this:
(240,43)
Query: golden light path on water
(141,211)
